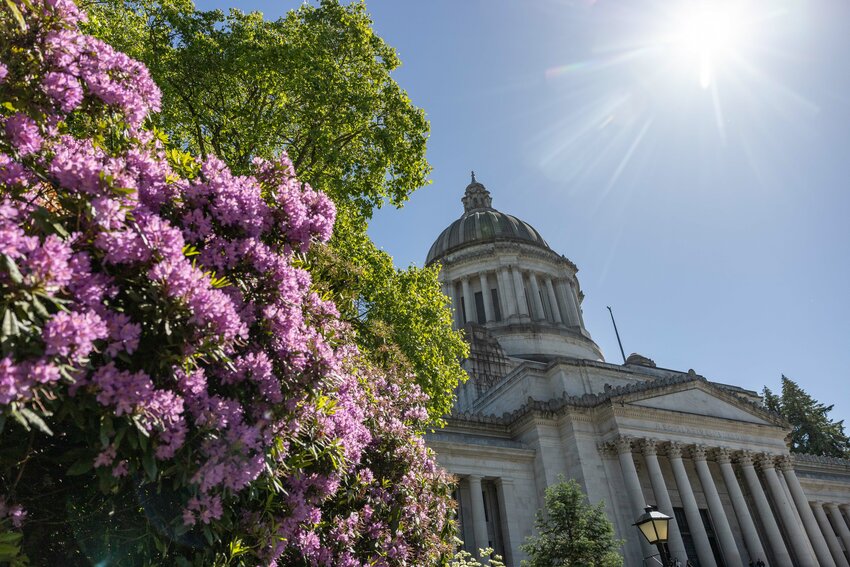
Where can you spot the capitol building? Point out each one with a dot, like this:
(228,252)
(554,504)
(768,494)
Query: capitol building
(541,402)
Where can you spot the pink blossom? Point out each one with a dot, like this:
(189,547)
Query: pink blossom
(23,133)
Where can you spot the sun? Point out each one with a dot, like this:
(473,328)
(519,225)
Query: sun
(708,35)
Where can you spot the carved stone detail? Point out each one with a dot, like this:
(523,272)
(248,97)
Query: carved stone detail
(785,463)
(724,455)
(607,450)
(623,444)
(650,446)
(698,452)
(746,458)
(766,461)
(674,450)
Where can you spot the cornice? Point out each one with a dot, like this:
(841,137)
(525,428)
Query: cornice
(485,250)
(553,408)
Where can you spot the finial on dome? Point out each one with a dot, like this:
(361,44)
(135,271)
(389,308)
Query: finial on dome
(476,197)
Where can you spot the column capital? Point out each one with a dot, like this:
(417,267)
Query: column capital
(766,461)
(831,505)
(607,449)
(674,450)
(724,455)
(474,478)
(698,452)
(785,463)
(650,446)
(623,443)
(746,458)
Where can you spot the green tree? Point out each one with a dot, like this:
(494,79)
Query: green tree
(571,532)
(316,83)
(812,430)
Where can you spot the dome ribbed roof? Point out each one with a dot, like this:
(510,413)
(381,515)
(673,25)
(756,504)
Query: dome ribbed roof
(482,223)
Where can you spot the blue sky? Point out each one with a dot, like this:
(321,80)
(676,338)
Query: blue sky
(702,191)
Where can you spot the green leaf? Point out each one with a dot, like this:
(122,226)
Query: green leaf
(10,537)
(149,462)
(106,430)
(10,267)
(10,324)
(16,13)
(80,467)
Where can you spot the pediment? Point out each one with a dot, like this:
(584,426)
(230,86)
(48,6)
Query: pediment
(700,400)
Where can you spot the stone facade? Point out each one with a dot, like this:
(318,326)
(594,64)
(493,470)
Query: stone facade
(541,402)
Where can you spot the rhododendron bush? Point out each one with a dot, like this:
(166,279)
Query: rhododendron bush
(172,390)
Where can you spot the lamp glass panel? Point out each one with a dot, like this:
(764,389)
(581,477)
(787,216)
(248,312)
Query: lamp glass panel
(648,530)
(661,528)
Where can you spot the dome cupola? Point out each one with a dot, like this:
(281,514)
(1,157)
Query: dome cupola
(502,276)
(479,223)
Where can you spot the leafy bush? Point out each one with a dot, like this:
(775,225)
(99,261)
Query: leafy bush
(172,388)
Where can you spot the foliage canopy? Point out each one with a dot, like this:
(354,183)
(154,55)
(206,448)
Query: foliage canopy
(812,430)
(316,83)
(173,389)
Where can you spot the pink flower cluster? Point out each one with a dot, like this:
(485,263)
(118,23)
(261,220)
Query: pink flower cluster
(15,513)
(172,309)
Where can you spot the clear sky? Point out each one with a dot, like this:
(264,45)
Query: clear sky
(692,162)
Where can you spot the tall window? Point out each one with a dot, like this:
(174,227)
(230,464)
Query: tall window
(688,539)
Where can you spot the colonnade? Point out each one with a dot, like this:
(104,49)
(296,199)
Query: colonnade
(548,298)
(780,526)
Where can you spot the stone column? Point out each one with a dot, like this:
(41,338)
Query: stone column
(519,288)
(507,508)
(553,301)
(536,302)
(632,482)
(840,524)
(662,499)
(748,527)
(580,317)
(846,509)
(489,313)
(479,519)
(816,537)
(795,532)
(508,297)
(728,547)
(468,301)
(768,522)
(570,300)
(689,503)
(570,318)
(829,535)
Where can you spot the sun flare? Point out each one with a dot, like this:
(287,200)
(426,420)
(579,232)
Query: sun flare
(707,35)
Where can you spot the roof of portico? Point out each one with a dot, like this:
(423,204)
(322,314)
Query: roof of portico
(623,395)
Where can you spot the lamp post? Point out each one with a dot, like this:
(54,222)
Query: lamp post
(653,525)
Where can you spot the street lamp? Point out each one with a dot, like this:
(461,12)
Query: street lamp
(653,525)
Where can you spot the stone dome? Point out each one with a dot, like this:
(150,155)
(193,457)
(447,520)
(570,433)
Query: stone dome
(482,223)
